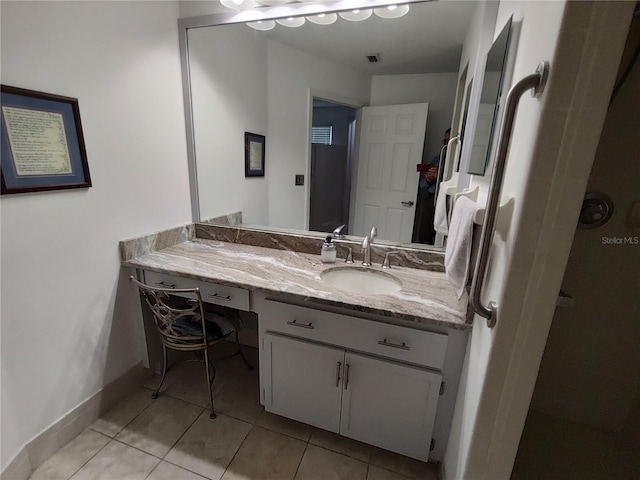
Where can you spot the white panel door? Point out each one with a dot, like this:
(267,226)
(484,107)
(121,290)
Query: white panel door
(389,405)
(391,144)
(302,381)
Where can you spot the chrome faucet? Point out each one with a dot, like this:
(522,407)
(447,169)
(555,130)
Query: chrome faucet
(337,233)
(338,237)
(366,247)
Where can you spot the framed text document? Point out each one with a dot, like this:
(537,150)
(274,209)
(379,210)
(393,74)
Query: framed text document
(42,142)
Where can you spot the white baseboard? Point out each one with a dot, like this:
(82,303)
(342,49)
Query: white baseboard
(52,439)
(19,468)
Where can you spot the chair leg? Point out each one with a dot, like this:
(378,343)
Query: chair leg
(249,366)
(210,380)
(154,395)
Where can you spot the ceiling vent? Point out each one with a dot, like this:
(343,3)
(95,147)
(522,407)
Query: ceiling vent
(373,58)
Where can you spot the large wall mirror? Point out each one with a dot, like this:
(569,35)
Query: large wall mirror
(347,80)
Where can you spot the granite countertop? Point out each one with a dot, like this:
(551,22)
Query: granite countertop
(426,297)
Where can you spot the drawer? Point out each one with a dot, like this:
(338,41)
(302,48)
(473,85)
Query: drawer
(376,338)
(231,297)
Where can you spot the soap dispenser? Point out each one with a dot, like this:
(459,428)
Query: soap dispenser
(328,252)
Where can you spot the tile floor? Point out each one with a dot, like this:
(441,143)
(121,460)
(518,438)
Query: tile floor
(172,438)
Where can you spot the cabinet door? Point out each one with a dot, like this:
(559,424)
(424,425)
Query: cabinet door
(302,381)
(389,405)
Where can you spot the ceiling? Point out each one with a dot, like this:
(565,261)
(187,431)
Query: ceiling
(428,39)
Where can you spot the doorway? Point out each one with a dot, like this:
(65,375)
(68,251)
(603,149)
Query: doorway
(332,142)
(584,417)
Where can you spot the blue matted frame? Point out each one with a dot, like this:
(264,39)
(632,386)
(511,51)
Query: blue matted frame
(67,108)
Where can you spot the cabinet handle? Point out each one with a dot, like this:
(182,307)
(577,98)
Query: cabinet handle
(384,342)
(338,368)
(303,325)
(166,285)
(346,376)
(226,298)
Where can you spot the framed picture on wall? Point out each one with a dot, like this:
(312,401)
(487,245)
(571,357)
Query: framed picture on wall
(254,148)
(42,144)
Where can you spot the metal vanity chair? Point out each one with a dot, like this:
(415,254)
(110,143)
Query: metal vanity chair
(181,322)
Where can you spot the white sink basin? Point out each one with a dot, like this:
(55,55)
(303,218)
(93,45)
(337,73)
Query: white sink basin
(361,280)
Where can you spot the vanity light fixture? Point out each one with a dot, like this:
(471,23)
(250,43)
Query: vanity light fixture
(392,11)
(356,15)
(323,18)
(262,25)
(239,4)
(291,21)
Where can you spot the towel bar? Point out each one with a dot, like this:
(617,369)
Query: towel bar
(503,222)
(443,165)
(505,210)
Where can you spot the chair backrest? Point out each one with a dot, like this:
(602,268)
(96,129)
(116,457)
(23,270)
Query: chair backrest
(171,313)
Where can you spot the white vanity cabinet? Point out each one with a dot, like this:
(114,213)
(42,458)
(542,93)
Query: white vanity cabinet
(302,380)
(390,405)
(387,382)
(377,401)
(370,381)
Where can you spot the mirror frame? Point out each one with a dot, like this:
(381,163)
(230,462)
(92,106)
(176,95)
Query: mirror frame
(264,13)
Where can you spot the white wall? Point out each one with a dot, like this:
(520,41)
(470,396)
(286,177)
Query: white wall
(552,147)
(69,323)
(195,8)
(476,380)
(436,89)
(228,66)
(292,77)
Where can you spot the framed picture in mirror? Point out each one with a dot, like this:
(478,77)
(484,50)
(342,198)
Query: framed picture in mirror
(254,149)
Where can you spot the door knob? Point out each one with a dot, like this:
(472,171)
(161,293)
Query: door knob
(408,204)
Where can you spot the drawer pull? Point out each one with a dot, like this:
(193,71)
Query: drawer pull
(226,298)
(303,325)
(384,342)
(165,285)
(346,376)
(338,368)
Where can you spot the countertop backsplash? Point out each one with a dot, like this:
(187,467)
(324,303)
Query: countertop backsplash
(311,242)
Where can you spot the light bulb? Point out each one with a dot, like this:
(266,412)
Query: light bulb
(262,25)
(239,4)
(392,11)
(291,22)
(356,15)
(323,18)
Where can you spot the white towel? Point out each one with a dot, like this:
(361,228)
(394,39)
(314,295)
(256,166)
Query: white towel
(440,221)
(458,253)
